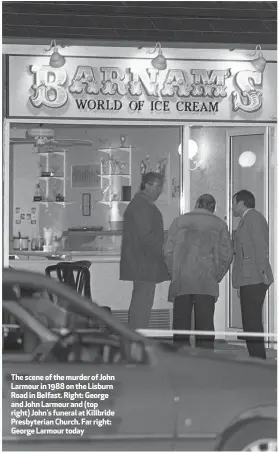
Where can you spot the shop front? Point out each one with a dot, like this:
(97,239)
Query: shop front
(78,138)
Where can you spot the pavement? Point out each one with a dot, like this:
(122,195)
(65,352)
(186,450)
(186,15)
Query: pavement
(241,350)
(238,348)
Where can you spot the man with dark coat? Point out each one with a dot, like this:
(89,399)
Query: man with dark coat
(142,258)
(252,274)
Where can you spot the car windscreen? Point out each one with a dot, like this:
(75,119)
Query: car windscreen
(54,311)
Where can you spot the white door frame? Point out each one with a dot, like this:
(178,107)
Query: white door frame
(273,220)
(6,191)
(238,131)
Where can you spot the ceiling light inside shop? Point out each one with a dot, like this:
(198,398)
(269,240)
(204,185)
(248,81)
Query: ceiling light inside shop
(192,148)
(160,61)
(247,159)
(56,60)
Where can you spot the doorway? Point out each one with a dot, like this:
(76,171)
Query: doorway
(247,158)
(223,160)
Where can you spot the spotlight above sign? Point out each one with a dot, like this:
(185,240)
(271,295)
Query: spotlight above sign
(160,61)
(56,60)
(259,62)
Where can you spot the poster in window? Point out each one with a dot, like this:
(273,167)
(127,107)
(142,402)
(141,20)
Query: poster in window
(86,176)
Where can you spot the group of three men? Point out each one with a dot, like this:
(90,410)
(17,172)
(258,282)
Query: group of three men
(195,258)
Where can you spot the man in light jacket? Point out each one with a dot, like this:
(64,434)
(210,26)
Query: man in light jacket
(198,253)
(252,273)
(142,257)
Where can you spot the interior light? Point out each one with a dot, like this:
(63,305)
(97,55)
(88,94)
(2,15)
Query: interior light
(192,148)
(247,159)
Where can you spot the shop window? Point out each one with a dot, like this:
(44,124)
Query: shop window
(72,194)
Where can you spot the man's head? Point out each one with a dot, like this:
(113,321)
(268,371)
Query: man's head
(152,184)
(206,201)
(242,201)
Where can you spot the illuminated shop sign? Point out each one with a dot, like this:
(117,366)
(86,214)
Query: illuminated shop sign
(90,88)
(52,90)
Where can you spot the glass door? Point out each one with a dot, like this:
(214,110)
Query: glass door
(273,228)
(6,234)
(247,164)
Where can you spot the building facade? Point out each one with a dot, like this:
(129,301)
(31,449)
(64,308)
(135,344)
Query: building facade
(78,138)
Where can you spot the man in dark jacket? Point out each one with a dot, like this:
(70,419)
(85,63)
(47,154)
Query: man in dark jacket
(251,274)
(142,258)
